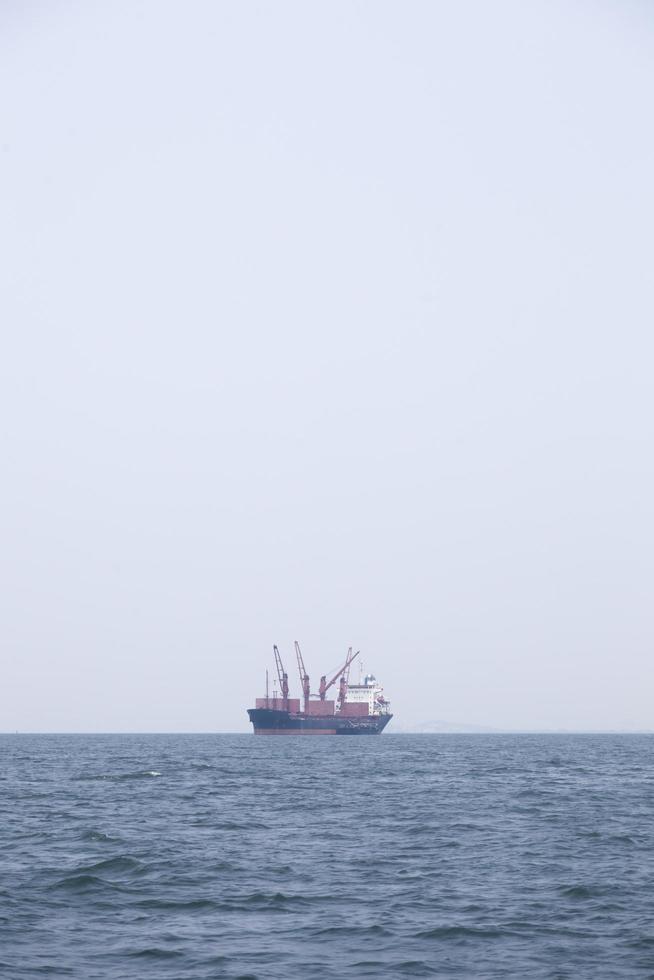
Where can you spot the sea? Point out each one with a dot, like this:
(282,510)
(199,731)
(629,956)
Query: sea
(199,857)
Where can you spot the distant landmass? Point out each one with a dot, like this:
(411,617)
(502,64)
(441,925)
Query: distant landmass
(440,727)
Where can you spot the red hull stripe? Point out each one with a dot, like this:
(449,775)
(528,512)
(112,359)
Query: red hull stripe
(294,731)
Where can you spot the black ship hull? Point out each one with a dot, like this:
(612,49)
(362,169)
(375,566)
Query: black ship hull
(267,721)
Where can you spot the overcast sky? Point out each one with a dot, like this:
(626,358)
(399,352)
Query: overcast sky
(329,321)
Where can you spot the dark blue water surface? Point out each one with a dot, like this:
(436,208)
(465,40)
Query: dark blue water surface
(192,857)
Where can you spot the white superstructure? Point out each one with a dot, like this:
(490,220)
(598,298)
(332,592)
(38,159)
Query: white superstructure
(370,692)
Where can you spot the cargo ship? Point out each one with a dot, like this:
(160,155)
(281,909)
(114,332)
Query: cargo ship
(358,709)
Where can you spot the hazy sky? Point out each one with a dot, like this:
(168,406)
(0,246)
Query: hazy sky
(329,321)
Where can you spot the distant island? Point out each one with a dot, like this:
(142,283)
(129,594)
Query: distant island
(439,727)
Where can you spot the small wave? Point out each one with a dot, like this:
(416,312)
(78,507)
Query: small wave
(579,892)
(47,969)
(116,864)
(169,905)
(272,902)
(415,968)
(156,953)
(236,825)
(276,899)
(362,931)
(79,883)
(621,839)
(404,968)
(119,776)
(98,837)
(457,932)
(88,876)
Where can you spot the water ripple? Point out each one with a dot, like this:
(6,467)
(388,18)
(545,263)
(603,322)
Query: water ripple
(203,858)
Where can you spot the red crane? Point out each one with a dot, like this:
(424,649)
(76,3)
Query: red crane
(345,678)
(281,673)
(325,685)
(304,677)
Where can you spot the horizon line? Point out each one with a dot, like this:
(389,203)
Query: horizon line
(407,731)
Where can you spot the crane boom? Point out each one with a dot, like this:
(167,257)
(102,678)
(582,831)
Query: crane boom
(304,677)
(281,673)
(345,678)
(346,675)
(325,685)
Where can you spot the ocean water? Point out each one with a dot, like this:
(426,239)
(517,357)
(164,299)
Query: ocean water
(230,856)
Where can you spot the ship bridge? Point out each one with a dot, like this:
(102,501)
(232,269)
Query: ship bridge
(370,692)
